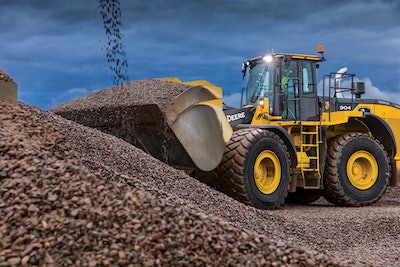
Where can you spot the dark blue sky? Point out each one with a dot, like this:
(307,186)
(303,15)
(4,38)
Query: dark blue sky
(55,50)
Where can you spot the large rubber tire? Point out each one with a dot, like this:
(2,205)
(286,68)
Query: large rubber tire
(357,170)
(256,169)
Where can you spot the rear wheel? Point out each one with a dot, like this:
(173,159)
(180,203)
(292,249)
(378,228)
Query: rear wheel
(256,169)
(357,170)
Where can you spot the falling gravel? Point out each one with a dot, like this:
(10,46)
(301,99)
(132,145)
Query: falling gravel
(110,13)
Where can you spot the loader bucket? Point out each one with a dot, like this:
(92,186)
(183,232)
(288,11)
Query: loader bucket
(179,123)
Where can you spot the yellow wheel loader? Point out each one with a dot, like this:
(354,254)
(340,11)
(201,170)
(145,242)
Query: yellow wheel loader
(290,144)
(287,143)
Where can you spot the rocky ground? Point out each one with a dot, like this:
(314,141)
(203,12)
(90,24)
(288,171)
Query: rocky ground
(71,195)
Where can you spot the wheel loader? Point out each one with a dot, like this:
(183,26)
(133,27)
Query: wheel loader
(288,142)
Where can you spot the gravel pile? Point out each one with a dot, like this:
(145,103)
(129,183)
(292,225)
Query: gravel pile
(134,112)
(140,92)
(110,110)
(66,203)
(4,76)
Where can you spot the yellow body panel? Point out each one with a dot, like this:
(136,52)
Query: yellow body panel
(303,160)
(339,117)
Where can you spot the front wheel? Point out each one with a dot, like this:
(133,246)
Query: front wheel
(256,169)
(357,170)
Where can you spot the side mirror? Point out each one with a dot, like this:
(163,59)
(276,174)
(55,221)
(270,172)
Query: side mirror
(244,68)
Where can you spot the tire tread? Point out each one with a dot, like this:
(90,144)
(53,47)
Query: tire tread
(333,190)
(231,169)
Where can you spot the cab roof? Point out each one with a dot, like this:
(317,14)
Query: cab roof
(294,56)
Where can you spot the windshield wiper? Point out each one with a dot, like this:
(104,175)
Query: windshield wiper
(256,92)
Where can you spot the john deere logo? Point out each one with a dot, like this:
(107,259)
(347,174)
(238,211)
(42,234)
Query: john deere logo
(235,117)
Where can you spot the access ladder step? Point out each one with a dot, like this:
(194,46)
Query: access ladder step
(312,187)
(309,145)
(310,133)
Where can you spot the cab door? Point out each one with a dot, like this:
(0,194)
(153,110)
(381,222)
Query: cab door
(309,110)
(298,91)
(289,90)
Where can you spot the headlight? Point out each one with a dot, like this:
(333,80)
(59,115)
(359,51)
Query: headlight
(261,103)
(268,58)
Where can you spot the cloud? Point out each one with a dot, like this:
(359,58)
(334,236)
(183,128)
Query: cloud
(71,94)
(373,92)
(78,91)
(233,100)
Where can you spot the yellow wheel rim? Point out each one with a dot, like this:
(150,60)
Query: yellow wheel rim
(267,172)
(362,170)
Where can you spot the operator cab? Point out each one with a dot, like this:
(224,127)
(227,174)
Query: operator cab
(288,81)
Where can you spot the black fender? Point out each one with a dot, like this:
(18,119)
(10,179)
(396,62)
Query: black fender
(382,131)
(282,133)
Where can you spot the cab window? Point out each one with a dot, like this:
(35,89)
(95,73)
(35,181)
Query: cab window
(308,86)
